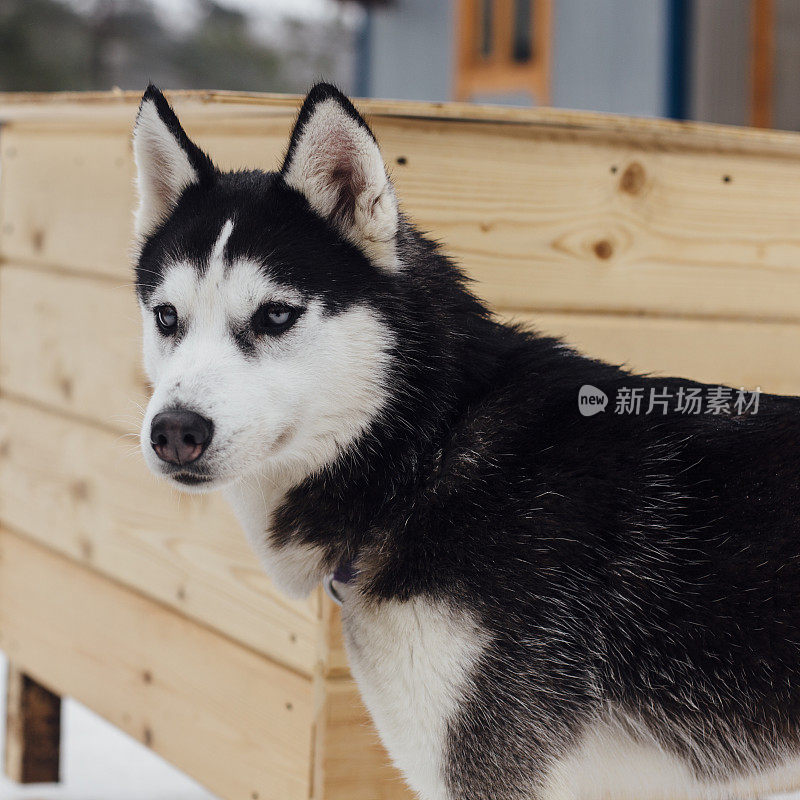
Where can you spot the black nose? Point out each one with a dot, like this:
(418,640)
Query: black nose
(179,436)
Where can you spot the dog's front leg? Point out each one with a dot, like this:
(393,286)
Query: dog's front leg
(413,661)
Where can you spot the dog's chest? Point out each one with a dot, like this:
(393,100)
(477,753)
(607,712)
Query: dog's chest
(413,661)
(295,568)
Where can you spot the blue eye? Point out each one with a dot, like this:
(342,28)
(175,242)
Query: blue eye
(272,319)
(166,319)
(279,317)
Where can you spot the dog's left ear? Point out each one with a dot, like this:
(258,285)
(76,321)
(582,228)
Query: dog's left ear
(335,163)
(167,161)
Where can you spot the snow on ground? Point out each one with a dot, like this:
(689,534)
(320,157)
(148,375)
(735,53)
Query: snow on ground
(99,762)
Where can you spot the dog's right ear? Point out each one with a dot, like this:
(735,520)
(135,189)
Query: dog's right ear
(167,161)
(334,161)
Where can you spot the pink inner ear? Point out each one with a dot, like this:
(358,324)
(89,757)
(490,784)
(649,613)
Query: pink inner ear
(163,180)
(337,166)
(349,183)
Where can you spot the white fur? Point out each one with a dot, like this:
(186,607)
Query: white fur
(412,661)
(331,146)
(296,569)
(163,170)
(609,764)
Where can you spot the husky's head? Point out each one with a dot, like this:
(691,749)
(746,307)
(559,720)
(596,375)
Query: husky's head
(260,295)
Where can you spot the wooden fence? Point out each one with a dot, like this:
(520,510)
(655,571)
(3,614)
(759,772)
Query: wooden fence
(674,248)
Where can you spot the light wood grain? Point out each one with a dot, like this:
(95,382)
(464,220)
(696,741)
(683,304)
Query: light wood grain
(333,657)
(115,110)
(350,761)
(67,199)
(82,492)
(545,217)
(230,718)
(733,353)
(74,344)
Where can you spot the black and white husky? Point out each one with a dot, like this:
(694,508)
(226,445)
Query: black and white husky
(537,603)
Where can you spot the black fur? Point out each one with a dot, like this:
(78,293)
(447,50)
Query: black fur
(199,160)
(641,566)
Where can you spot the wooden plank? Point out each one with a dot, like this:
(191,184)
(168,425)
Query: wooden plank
(228,717)
(83,492)
(579,225)
(73,344)
(350,761)
(545,218)
(727,352)
(87,199)
(332,654)
(115,110)
(33,730)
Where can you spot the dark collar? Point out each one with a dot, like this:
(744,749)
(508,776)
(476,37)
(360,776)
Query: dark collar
(345,572)
(343,575)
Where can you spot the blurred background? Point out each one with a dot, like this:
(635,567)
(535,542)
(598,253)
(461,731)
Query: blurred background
(731,61)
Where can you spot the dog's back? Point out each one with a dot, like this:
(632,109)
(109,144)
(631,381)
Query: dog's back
(630,580)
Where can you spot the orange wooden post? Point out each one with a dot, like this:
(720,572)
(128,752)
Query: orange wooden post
(497,72)
(542,48)
(762,57)
(466,38)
